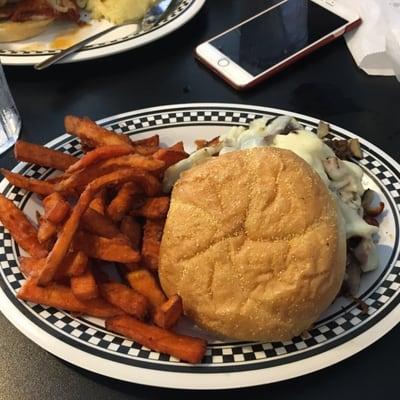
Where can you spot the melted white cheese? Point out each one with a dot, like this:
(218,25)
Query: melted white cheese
(344,182)
(307,146)
(343,178)
(173,173)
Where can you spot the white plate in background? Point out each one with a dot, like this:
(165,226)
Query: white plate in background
(64,34)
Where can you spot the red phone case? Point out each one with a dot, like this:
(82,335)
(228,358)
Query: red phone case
(281,67)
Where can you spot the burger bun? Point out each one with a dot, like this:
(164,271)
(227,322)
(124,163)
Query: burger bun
(15,31)
(254,245)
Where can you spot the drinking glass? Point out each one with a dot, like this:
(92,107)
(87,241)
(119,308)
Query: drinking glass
(10,120)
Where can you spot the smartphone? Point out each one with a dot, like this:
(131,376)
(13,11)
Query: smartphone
(273,39)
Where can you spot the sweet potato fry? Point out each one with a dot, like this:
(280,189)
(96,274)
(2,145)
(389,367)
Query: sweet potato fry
(144,282)
(55,179)
(46,230)
(178,146)
(64,239)
(122,201)
(100,154)
(213,142)
(86,146)
(168,314)
(170,157)
(152,141)
(125,298)
(99,202)
(40,155)
(84,287)
(153,230)
(133,161)
(93,134)
(153,208)
(56,208)
(59,296)
(105,249)
(200,143)
(207,143)
(148,182)
(146,150)
(185,348)
(51,200)
(99,224)
(82,178)
(73,264)
(31,266)
(42,188)
(132,230)
(23,232)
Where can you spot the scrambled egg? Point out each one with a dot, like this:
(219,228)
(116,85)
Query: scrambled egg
(118,11)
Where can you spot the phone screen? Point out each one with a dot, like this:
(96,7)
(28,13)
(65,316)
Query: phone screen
(277,34)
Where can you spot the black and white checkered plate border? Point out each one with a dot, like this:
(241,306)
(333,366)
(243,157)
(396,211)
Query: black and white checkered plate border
(184,10)
(334,331)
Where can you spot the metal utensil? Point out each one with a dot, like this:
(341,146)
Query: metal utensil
(151,18)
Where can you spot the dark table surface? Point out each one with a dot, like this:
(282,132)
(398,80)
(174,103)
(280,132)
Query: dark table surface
(326,85)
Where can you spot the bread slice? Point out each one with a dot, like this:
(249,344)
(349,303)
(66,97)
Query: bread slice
(11,31)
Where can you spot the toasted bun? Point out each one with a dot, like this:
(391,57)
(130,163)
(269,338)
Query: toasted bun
(14,31)
(253,244)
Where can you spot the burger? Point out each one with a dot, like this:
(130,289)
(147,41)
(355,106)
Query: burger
(256,238)
(23,19)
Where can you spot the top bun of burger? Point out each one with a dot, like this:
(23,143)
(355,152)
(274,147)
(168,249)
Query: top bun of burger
(253,244)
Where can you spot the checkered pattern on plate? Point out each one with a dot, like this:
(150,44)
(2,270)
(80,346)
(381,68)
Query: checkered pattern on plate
(222,354)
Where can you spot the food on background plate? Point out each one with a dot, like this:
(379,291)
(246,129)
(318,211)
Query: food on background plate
(107,209)
(23,19)
(118,11)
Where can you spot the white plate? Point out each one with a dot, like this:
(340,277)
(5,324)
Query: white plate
(61,34)
(341,332)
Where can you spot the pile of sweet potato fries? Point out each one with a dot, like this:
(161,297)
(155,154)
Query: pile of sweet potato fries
(105,209)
